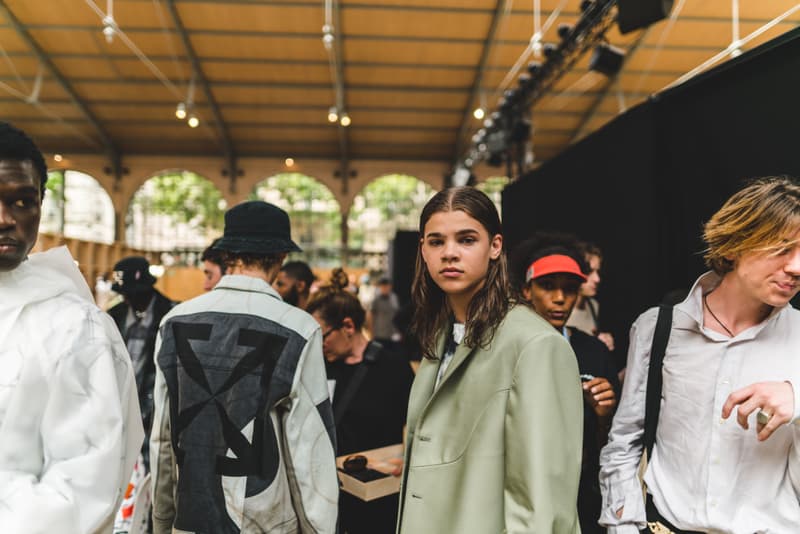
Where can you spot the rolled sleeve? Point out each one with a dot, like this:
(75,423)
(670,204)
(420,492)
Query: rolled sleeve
(620,458)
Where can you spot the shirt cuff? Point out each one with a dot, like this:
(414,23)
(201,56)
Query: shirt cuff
(796,391)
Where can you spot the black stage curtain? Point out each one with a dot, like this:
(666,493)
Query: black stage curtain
(642,186)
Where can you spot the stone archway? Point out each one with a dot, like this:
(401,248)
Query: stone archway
(175,210)
(314,212)
(385,205)
(76,205)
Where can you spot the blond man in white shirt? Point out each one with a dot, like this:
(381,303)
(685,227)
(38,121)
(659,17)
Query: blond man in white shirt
(732,351)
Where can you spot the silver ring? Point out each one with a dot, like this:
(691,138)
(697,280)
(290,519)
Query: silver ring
(763,417)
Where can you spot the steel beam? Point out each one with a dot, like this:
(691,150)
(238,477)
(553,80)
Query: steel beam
(113,153)
(227,146)
(500,7)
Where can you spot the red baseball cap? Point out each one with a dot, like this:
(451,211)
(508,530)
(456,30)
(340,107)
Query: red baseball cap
(552,264)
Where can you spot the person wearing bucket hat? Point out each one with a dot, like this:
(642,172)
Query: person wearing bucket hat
(240,377)
(137,318)
(258,228)
(548,270)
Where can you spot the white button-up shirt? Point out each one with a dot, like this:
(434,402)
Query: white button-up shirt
(706,473)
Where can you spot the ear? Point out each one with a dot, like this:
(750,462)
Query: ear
(348,325)
(526,292)
(496,246)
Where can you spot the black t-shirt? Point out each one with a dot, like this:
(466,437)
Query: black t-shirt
(595,359)
(377,412)
(374,418)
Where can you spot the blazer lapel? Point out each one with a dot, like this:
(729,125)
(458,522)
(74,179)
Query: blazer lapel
(462,354)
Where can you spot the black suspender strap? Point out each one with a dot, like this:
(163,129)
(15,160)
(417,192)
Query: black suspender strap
(655,377)
(370,356)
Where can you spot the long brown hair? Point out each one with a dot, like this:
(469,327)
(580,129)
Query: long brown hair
(488,306)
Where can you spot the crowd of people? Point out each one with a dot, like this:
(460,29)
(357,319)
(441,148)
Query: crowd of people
(237,403)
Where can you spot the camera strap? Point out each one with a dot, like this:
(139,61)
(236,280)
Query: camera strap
(655,377)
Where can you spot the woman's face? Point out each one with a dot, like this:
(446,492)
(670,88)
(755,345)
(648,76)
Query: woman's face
(337,340)
(553,297)
(589,288)
(456,250)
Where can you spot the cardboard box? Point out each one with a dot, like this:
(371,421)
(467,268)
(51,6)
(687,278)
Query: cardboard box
(375,481)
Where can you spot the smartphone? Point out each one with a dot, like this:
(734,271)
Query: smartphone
(586,377)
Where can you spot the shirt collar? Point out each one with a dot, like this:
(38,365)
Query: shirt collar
(692,310)
(240,282)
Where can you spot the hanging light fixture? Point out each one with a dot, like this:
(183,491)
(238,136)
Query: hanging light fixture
(479,113)
(345,120)
(193,121)
(180,111)
(333,114)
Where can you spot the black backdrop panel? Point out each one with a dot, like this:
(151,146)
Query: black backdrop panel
(403,258)
(642,186)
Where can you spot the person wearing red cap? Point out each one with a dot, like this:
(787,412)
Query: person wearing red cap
(548,270)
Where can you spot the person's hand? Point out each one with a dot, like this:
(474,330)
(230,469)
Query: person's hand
(775,399)
(608,339)
(599,393)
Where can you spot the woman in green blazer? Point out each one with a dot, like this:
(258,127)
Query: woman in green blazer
(495,414)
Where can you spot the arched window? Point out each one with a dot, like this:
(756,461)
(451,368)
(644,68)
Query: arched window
(76,205)
(175,211)
(314,213)
(388,204)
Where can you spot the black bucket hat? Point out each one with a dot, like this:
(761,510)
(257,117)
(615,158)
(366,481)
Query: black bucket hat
(132,275)
(256,227)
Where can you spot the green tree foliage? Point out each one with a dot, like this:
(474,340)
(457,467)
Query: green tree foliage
(386,205)
(185,196)
(314,213)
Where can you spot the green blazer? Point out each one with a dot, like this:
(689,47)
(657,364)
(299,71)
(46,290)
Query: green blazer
(497,447)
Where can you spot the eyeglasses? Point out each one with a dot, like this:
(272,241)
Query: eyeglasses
(330,331)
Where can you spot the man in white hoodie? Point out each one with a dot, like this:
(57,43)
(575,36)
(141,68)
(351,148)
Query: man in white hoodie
(70,428)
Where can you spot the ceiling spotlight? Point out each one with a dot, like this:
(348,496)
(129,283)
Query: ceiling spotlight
(193,121)
(180,110)
(564,30)
(586,4)
(479,113)
(606,59)
(345,120)
(289,162)
(333,114)
(58,157)
(533,67)
(549,50)
(536,44)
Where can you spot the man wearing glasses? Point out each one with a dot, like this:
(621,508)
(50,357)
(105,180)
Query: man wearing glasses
(241,399)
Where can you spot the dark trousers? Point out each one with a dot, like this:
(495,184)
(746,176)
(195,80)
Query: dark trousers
(654,515)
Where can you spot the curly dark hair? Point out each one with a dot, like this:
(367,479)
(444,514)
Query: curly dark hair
(488,306)
(17,146)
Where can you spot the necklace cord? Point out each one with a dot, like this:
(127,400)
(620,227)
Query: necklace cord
(705,302)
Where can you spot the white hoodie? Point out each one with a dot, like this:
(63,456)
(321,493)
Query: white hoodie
(70,427)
